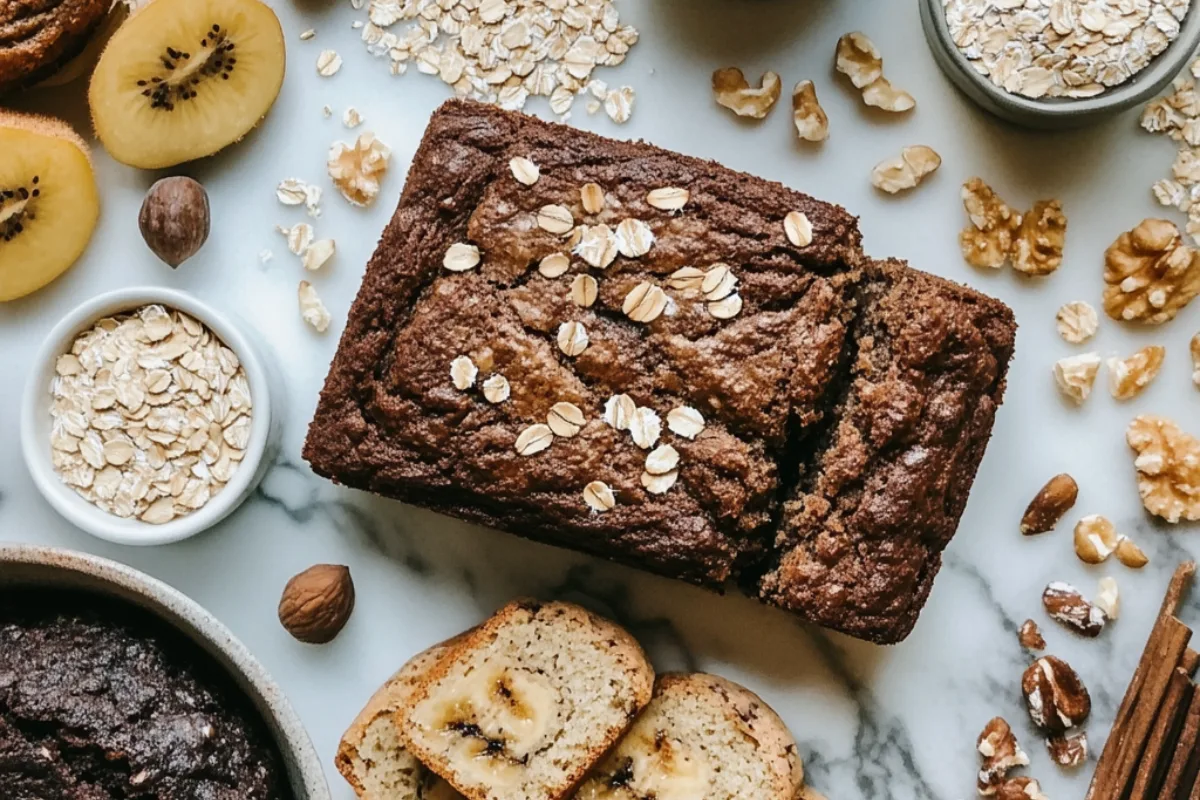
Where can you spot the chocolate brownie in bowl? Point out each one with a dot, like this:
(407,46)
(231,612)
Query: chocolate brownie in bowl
(99,699)
(640,355)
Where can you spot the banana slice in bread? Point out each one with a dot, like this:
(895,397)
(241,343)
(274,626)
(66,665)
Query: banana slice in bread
(372,756)
(528,702)
(701,738)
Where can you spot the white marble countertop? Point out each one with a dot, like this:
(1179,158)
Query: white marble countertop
(875,723)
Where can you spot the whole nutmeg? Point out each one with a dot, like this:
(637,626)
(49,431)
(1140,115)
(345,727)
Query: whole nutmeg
(317,603)
(175,219)
(1055,696)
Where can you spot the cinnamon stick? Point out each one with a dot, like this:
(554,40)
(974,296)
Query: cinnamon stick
(1109,765)
(1157,757)
(1190,661)
(1186,743)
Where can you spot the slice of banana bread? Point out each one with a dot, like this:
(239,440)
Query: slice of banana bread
(703,738)
(528,702)
(372,756)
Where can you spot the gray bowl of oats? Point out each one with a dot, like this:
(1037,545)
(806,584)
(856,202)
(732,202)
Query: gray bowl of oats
(1065,63)
(149,416)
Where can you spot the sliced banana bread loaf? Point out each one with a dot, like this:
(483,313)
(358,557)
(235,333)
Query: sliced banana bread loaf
(372,756)
(702,738)
(528,702)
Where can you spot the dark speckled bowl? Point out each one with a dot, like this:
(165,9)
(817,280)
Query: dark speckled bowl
(50,568)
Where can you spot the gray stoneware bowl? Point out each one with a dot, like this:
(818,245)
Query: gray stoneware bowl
(49,567)
(1058,113)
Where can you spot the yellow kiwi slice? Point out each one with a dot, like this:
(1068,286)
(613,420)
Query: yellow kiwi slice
(184,78)
(48,201)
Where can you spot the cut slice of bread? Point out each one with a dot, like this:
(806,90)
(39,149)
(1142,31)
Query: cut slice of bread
(529,702)
(701,738)
(372,756)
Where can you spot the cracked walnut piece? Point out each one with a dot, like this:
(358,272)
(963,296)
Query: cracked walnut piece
(812,123)
(357,169)
(1150,274)
(989,240)
(998,746)
(734,92)
(1168,467)
(905,171)
(859,60)
(1038,249)
(1128,377)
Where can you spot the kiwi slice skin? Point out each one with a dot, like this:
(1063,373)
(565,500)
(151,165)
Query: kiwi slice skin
(183,79)
(49,201)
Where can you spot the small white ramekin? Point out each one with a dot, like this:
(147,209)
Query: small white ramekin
(36,422)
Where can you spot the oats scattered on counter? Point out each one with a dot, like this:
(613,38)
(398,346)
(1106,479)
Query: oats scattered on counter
(1168,467)
(358,169)
(327,111)
(299,237)
(812,123)
(1062,48)
(504,53)
(905,171)
(619,104)
(1177,115)
(1077,321)
(308,34)
(312,310)
(1128,377)
(318,254)
(151,415)
(734,92)
(599,496)
(859,60)
(351,118)
(461,257)
(265,255)
(328,63)
(295,192)
(1076,375)
(525,171)
(534,439)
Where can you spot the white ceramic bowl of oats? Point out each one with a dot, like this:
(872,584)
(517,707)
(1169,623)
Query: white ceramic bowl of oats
(149,416)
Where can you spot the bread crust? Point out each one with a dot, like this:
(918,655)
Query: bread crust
(38,36)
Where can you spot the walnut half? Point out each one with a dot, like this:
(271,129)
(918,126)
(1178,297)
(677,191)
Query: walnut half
(734,92)
(1168,467)
(1150,274)
(1038,249)
(988,240)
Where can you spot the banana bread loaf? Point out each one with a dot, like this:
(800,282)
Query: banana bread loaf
(644,356)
